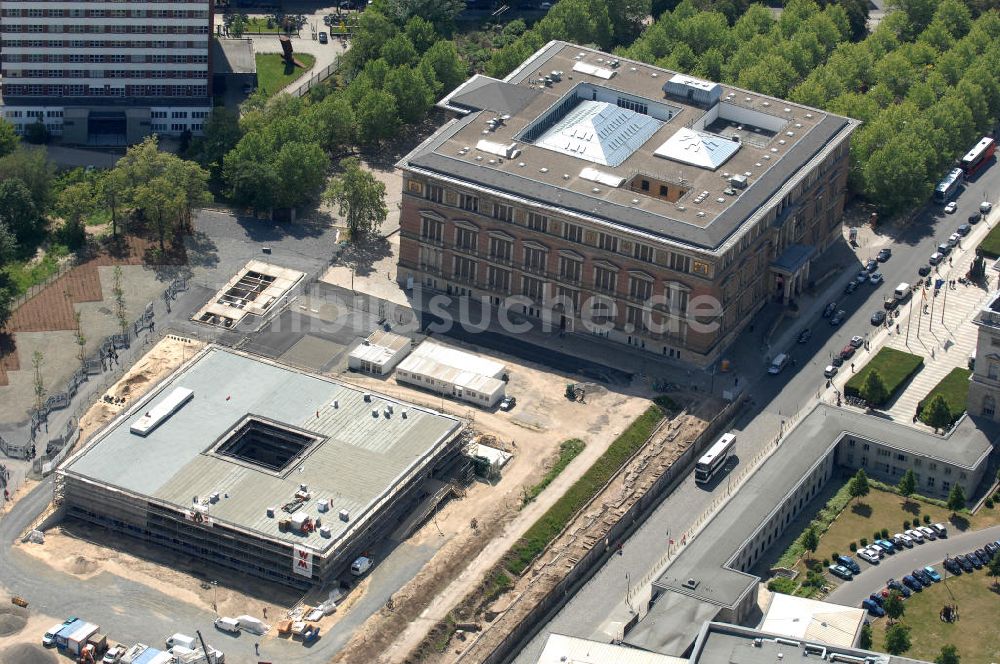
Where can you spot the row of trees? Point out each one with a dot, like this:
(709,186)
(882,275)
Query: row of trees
(278,153)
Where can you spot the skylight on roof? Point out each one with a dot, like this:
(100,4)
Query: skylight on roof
(593,70)
(698,148)
(595,175)
(599,132)
(499,149)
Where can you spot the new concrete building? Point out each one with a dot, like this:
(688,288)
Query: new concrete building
(106,73)
(263,469)
(712,577)
(610,197)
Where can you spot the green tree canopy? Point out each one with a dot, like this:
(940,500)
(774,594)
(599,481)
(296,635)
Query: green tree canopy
(873,390)
(221,133)
(9,139)
(810,539)
(443,62)
(19,213)
(74,204)
(948,654)
(897,639)
(956,498)
(907,484)
(378,118)
(858,486)
(413,95)
(894,607)
(360,198)
(994,570)
(421,33)
(31,166)
(936,413)
(399,51)
(865,640)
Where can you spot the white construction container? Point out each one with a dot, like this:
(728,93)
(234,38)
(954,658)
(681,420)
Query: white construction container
(251,624)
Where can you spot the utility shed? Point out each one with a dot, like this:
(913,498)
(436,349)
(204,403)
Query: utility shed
(454,373)
(379,353)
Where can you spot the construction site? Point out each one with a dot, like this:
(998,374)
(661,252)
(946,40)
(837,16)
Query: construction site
(264,469)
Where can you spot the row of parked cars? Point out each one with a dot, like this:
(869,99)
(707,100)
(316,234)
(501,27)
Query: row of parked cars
(970,562)
(913,582)
(845,567)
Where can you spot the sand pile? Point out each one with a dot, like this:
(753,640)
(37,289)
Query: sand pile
(27,653)
(12,619)
(80,565)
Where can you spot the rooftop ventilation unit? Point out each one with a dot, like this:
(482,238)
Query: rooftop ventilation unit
(594,175)
(690,584)
(599,72)
(738,181)
(162,411)
(345,515)
(508,151)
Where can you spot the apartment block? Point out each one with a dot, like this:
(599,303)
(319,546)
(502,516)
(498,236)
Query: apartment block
(105,73)
(613,198)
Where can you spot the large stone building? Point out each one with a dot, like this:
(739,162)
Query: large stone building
(106,73)
(610,197)
(984,388)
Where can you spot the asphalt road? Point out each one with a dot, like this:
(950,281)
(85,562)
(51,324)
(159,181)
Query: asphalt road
(873,577)
(590,612)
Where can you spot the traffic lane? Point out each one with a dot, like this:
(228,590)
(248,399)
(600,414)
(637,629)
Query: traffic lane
(873,577)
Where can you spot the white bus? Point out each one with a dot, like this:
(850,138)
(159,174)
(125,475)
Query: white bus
(714,458)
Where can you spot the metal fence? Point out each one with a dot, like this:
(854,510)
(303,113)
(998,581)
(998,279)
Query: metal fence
(104,363)
(315,79)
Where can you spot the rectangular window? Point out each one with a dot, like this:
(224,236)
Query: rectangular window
(605,279)
(534,258)
(643,252)
(465,268)
(570,270)
(431,229)
(571,295)
(680,263)
(498,279)
(640,289)
(930,482)
(434,193)
(635,316)
(608,242)
(501,249)
(466,239)
(573,233)
(467,202)
(533,288)
(503,212)
(538,222)
(179,115)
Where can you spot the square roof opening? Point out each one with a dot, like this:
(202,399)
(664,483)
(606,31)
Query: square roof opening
(265,444)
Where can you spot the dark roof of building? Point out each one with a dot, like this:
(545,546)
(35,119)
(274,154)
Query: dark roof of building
(706,217)
(233,56)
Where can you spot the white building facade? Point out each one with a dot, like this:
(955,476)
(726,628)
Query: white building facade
(106,73)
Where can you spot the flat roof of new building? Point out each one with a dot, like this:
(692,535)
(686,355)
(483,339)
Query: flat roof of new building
(813,620)
(380,346)
(705,559)
(343,445)
(719,643)
(570,107)
(233,56)
(562,649)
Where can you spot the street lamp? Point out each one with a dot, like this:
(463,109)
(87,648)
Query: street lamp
(215,596)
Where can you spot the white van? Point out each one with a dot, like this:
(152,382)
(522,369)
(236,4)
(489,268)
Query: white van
(902,291)
(181,640)
(361,565)
(228,625)
(778,364)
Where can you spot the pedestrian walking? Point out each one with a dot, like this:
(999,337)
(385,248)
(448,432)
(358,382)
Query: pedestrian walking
(265,613)
(256,648)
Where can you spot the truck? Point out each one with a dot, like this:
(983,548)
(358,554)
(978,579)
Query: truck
(76,641)
(188,642)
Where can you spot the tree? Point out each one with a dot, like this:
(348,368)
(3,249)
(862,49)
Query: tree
(936,413)
(897,639)
(8,244)
(421,33)
(162,204)
(907,485)
(413,95)
(810,540)
(19,213)
(9,139)
(441,13)
(31,166)
(74,204)
(893,606)
(399,51)
(873,390)
(858,486)
(236,24)
(81,341)
(865,640)
(956,499)
(121,310)
(334,120)
(221,133)
(360,198)
(948,655)
(994,570)
(627,17)
(36,132)
(377,117)
(252,184)
(38,381)
(7,292)
(442,60)
(301,169)
(111,191)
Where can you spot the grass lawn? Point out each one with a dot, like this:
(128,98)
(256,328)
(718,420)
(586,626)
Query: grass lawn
(955,389)
(990,246)
(259,24)
(273,74)
(882,509)
(974,634)
(568,450)
(543,531)
(25,275)
(895,367)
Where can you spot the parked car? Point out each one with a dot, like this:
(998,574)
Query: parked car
(838,317)
(878,317)
(871,265)
(985,207)
(924,270)
(965,563)
(830,310)
(876,278)
(323,39)
(830,371)
(982,555)
(935,258)
(924,577)
(508,403)
(898,542)
(886,545)
(862,277)
(850,287)
(954,239)
(928,532)
(931,572)
(905,539)
(884,255)
(940,529)
(872,608)
(867,555)
(976,561)
(114,655)
(837,361)
(991,548)
(916,536)
(952,566)
(49,637)
(847,351)
(841,571)
(877,598)
(893,584)
(944,248)
(964,229)
(849,563)
(912,583)
(950,207)
(805,335)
